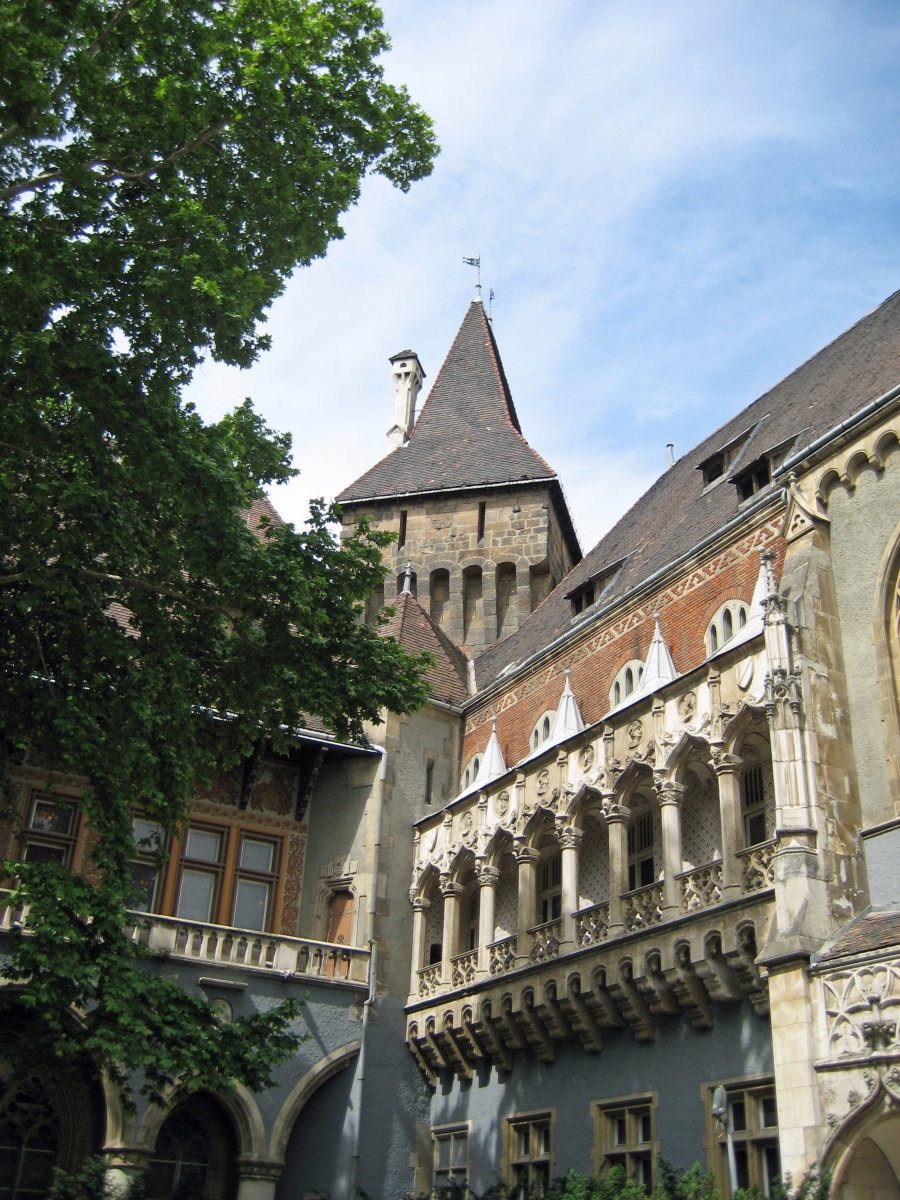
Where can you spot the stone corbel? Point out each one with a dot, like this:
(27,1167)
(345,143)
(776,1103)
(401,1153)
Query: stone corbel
(492,1042)
(632,1005)
(800,517)
(688,987)
(533,1030)
(580,1017)
(655,987)
(601,1003)
(553,1017)
(512,1035)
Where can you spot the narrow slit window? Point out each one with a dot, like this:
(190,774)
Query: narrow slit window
(401,537)
(482,510)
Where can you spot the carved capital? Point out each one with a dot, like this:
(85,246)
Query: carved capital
(724,763)
(668,791)
(259,1168)
(569,838)
(488,876)
(449,887)
(420,903)
(526,854)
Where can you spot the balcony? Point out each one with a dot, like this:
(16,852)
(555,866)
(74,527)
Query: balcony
(222,946)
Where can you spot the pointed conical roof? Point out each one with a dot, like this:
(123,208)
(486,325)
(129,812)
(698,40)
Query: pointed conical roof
(491,767)
(412,627)
(567,722)
(755,621)
(467,435)
(659,669)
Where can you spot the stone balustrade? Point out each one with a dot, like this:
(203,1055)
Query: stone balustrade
(545,941)
(224,946)
(701,887)
(592,925)
(463,968)
(757,871)
(502,958)
(429,980)
(643,907)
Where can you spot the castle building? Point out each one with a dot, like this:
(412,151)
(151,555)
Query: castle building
(627,882)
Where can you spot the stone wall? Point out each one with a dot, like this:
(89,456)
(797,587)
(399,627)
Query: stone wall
(521,530)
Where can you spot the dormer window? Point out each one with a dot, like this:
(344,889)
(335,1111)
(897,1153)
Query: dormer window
(471,772)
(627,681)
(591,590)
(729,620)
(541,731)
(713,468)
(754,479)
(719,463)
(582,599)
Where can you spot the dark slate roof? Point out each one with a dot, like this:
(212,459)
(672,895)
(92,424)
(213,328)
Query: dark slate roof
(676,513)
(467,435)
(870,931)
(412,627)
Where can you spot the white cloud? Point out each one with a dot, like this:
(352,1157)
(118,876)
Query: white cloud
(675,204)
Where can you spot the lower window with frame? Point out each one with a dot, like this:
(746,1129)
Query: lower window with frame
(625,1135)
(529,1154)
(451,1155)
(753,1115)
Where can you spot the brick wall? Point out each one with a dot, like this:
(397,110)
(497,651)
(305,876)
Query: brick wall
(685,607)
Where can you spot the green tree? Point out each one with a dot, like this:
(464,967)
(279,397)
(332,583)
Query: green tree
(164,166)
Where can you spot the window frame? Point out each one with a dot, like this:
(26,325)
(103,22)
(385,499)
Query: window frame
(607,1152)
(538,737)
(439,1132)
(511,1125)
(756,1137)
(739,614)
(68,842)
(638,855)
(271,877)
(144,856)
(618,692)
(549,895)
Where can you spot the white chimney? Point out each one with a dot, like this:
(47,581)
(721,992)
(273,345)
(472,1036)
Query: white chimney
(408,377)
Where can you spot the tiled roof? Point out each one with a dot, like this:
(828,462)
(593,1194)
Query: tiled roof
(467,435)
(871,931)
(676,513)
(261,507)
(412,627)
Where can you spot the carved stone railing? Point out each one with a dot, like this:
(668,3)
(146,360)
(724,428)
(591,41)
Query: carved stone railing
(701,887)
(592,925)
(643,907)
(224,946)
(464,967)
(545,941)
(757,871)
(429,980)
(502,958)
(10,916)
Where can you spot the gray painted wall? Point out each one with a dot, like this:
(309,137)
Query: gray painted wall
(883,866)
(675,1065)
(862,523)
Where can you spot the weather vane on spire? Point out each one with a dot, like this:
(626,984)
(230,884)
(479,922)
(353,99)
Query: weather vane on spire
(475,262)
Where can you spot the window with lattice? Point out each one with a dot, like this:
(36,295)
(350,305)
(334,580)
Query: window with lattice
(625,1135)
(641,866)
(29,1139)
(753,1114)
(529,1141)
(550,895)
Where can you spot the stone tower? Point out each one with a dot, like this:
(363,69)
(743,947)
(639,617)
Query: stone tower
(479,514)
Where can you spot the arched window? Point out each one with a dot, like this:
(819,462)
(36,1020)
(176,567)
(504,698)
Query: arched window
(757,790)
(701,828)
(542,728)
(193,1156)
(626,682)
(29,1141)
(440,596)
(730,619)
(434,925)
(413,583)
(507,611)
(473,621)
(469,910)
(470,774)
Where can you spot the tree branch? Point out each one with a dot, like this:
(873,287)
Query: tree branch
(39,181)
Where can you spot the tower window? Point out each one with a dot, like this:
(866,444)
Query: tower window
(429,781)
(482,509)
(401,536)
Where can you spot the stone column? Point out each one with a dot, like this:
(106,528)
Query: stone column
(670,794)
(421,905)
(527,858)
(617,824)
(800,1124)
(257,1178)
(487,884)
(452,892)
(728,773)
(569,844)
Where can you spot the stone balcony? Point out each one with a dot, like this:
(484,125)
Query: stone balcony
(673,964)
(223,946)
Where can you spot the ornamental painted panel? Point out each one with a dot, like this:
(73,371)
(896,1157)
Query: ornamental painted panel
(593,866)
(701,841)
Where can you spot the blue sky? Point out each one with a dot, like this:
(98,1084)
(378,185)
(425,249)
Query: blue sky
(675,204)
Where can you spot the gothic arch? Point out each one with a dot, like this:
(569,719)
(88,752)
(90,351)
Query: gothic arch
(499,843)
(580,803)
(687,747)
(429,875)
(748,719)
(537,824)
(634,775)
(239,1105)
(886,636)
(846,1137)
(301,1093)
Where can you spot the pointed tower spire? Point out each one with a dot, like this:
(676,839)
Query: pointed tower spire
(491,766)
(659,669)
(407,580)
(567,722)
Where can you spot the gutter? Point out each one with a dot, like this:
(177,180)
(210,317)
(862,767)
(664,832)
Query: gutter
(356,1094)
(777,496)
(820,443)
